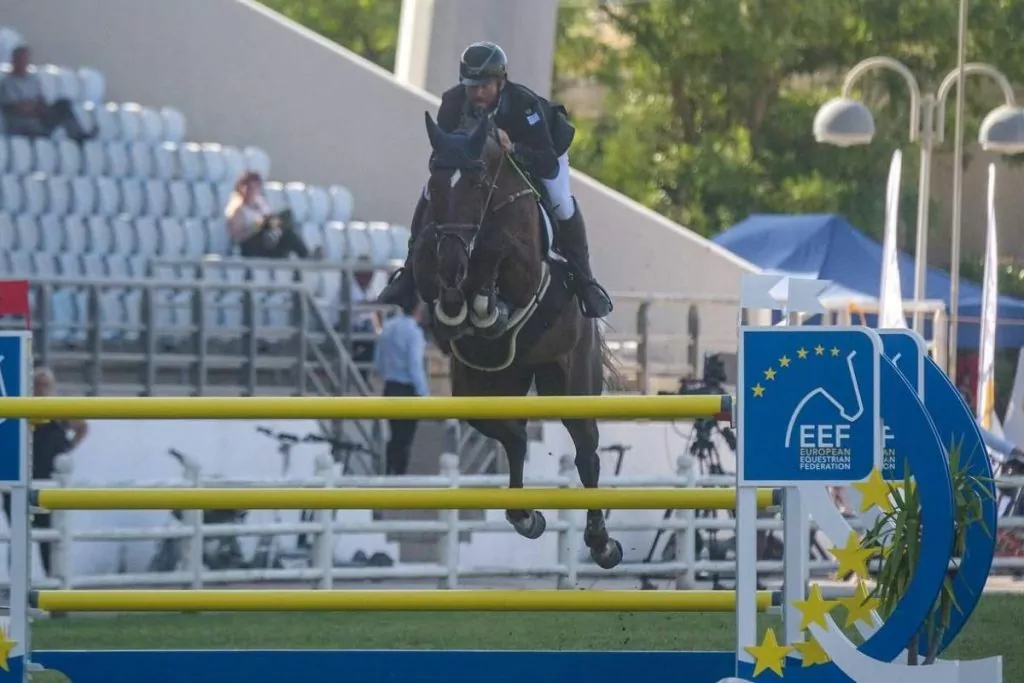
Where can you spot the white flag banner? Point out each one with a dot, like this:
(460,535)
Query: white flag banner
(890,298)
(989,310)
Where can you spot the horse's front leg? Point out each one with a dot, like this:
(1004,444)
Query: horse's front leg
(604,550)
(488,314)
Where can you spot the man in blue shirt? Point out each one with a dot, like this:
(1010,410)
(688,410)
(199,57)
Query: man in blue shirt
(399,361)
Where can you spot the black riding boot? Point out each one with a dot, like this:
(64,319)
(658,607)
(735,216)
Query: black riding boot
(572,240)
(402,286)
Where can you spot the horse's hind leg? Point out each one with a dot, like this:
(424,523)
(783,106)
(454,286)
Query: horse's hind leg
(512,435)
(605,550)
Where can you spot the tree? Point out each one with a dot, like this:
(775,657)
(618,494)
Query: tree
(367,27)
(710,102)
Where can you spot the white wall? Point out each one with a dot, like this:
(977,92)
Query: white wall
(244,75)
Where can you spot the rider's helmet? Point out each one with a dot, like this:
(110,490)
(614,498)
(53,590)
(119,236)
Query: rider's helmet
(482,61)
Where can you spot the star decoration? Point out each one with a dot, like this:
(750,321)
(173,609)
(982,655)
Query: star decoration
(873,492)
(814,609)
(835,351)
(768,655)
(6,646)
(811,652)
(801,353)
(758,390)
(784,361)
(852,557)
(858,606)
(819,350)
(770,373)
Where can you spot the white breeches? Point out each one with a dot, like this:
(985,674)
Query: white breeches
(559,191)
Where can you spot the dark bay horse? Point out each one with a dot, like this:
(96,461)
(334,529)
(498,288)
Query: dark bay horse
(502,304)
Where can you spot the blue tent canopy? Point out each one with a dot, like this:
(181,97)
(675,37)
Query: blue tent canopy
(826,246)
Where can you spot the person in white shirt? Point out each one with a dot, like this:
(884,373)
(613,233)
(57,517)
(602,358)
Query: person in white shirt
(26,112)
(254,228)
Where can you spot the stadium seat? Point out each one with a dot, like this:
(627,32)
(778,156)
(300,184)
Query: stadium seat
(133,197)
(12,197)
(195,238)
(106,119)
(234,163)
(69,157)
(93,85)
(190,162)
(85,112)
(218,241)
(68,85)
(319,204)
(101,236)
(26,230)
(400,236)
(44,151)
(36,201)
(49,81)
(214,163)
(165,161)
(223,192)
(380,242)
(20,264)
(341,203)
(58,191)
(129,116)
(204,201)
(334,241)
(117,159)
(7,235)
(151,126)
(83,196)
(357,240)
(171,242)
(173,124)
(297,200)
(108,197)
(140,156)
(156,197)
(94,158)
(123,233)
(51,234)
(147,236)
(21,159)
(76,235)
(257,160)
(312,234)
(5,152)
(181,199)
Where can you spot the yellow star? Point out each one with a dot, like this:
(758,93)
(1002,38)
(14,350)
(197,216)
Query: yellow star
(819,350)
(768,655)
(814,608)
(873,492)
(784,361)
(758,390)
(801,352)
(835,351)
(852,557)
(6,645)
(859,606)
(770,373)
(812,652)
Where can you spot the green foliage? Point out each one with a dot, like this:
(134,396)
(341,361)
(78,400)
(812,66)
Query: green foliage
(896,536)
(710,103)
(367,27)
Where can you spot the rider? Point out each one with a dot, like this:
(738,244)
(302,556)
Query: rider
(537,135)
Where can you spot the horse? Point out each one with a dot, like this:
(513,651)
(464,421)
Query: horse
(501,303)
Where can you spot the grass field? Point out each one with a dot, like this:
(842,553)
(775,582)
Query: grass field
(996,628)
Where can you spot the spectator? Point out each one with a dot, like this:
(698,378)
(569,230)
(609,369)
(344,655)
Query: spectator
(25,110)
(49,439)
(399,362)
(363,322)
(255,228)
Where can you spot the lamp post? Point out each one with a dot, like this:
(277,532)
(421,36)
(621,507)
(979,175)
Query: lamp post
(845,121)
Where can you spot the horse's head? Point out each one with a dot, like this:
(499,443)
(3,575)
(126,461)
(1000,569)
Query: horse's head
(463,174)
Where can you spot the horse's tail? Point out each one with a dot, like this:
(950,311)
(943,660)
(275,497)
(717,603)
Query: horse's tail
(611,376)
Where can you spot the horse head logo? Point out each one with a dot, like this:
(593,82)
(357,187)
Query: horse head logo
(845,397)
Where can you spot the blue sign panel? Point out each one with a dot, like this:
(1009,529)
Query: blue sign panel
(907,351)
(808,405)
(11,361)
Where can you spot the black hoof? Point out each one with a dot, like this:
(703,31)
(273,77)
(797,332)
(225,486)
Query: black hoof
(595,536)
(609,556)
(531,526)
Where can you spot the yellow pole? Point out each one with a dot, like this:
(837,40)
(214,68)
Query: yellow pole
(395,499)
(375,407)
(390,600)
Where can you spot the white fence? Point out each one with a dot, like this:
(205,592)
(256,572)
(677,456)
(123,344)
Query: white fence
(192,553)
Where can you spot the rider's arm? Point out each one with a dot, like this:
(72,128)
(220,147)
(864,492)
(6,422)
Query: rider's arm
(534,148)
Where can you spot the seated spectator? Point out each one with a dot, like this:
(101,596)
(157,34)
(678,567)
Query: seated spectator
(255,228)
(25,110)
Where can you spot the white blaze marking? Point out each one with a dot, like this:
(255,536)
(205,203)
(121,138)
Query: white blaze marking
(455,178)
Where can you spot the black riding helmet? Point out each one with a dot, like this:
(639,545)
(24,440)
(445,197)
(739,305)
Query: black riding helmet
(482,61)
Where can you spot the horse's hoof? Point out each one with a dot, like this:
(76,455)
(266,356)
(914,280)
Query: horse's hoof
(595,537)
(609,556)
(532,526)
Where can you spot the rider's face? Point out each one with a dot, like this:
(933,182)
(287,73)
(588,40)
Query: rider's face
(484,96)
